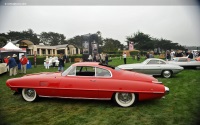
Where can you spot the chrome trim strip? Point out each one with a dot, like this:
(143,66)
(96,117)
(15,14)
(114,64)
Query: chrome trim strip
(156,82)
(74,97)
(158,92)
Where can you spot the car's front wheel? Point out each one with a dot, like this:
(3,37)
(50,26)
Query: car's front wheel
(29,95)
(166,73)
(125,99)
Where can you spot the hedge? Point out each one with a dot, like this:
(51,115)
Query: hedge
(40,59)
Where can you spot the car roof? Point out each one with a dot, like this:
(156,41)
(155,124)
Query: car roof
(91,64)
(86,64)
(154,59)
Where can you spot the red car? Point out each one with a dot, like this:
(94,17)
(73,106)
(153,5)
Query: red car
(90,80)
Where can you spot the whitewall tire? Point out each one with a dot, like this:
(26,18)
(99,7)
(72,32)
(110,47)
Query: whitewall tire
(29,95)
(125,99)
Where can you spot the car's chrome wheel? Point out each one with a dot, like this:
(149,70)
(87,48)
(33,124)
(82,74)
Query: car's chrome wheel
(166,74)
(125,99)
(29,95)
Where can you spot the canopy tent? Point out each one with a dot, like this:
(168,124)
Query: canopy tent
(10,47)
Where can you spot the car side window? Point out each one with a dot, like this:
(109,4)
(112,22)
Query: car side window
(85,71)
(102,72)
(162,62)
(153,62)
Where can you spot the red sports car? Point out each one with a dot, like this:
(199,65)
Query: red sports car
(90,80)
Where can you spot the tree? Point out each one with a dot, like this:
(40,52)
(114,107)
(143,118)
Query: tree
(52,38)
(110,45)
(141,41)
(145,42)
(15,35)
(3,41)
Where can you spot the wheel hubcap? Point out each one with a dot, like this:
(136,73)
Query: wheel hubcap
(30,93)
(125,97)
(167,74)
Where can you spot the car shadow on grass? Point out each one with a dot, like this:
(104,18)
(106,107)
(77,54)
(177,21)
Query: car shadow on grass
(93,103)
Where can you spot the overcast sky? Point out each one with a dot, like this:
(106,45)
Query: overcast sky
(181,24)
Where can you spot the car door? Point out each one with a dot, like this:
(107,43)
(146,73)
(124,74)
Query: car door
(152,67)
(105,82)
(79,83)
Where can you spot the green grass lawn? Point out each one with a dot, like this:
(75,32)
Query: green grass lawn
(180,107)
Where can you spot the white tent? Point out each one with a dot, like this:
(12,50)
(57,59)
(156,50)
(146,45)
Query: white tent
(10,47)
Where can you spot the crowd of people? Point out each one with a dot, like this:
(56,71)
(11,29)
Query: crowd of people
(13,63)
(62,58)
(169,55)
(102,58)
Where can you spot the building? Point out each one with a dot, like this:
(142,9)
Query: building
(45,49)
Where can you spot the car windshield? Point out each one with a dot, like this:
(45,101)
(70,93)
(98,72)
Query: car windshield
(145,61)
(67,71)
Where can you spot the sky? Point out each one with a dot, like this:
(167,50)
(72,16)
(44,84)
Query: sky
(180,23)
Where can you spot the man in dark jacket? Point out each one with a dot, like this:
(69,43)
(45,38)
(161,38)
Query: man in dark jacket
(17,61)
(190,55)
(61,64)
(12,64)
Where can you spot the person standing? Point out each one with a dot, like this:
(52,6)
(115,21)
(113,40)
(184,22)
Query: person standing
(147,55)
(151,55)
(90,58)
(17,61)
(61,63)
(106,59)
(94,58)
(124,56)
(190,55)
(23,62)
(12,64)
(168,57)
(172,54)
(138,57)
(47,62)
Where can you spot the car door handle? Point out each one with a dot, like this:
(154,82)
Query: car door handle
(93,80)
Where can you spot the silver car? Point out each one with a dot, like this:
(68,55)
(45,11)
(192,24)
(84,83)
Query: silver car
(153,66)
(185,62)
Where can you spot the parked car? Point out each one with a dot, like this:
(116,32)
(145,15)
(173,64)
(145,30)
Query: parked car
(3,68)
(51,61)
(185,62)
(153,66)
(90,80)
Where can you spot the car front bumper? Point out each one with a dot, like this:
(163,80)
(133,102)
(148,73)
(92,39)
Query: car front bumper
(166,90)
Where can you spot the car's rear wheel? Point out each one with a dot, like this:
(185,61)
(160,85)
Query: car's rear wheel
(166,73)
(125,99)
(29,95)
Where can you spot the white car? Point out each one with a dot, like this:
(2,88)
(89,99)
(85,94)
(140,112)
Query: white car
(3,68)
(51,61)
